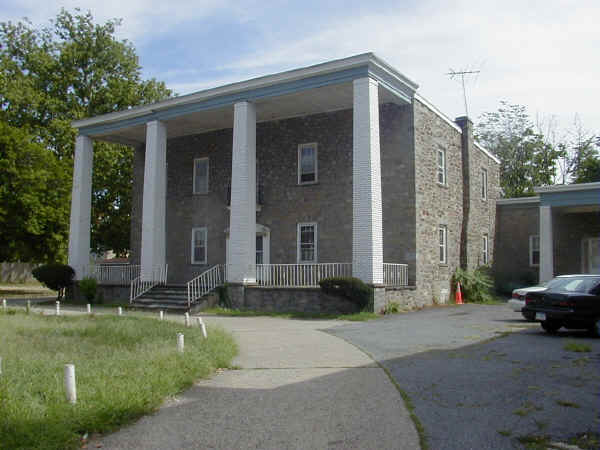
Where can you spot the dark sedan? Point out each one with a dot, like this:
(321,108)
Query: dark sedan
(572,303)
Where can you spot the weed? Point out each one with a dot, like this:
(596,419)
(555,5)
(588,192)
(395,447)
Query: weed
(533,442)
(573,346)
(567,404)
(504,432)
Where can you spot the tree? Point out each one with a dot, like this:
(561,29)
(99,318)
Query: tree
(69,70)
(582,158)
(527,159)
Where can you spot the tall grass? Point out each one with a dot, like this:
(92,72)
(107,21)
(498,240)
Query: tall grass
(125,367)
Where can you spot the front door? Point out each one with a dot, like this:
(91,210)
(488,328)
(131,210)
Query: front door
(591,255)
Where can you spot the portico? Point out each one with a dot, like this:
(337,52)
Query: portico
(359,84)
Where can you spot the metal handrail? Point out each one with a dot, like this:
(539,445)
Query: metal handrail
(395,274)
(299,275)
(205,282)
(139,287)
(114,273)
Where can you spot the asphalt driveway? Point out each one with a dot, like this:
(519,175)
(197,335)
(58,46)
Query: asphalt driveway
(474,392)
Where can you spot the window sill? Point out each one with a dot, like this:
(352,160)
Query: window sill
(443,264)
(308,183)
(200,193)
(442,185)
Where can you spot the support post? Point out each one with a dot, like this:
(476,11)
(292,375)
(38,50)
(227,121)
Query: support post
(367,228)
(70,387)
(81,207)
(154,203)
(242,222)
(180,342)
(546,244)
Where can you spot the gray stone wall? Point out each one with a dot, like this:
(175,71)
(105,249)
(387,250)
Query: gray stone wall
(304,300)
(436,204)
(511,263)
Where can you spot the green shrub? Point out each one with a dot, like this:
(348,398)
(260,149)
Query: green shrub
(88,287)
(391,308)
(350,288)
(223,293)
(476,285)
(55,276)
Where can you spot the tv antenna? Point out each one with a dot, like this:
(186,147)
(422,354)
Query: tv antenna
(455,73)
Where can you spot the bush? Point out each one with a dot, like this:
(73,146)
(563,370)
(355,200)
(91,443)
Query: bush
(88,287)
(350,288)
(391,308)
(55,276)
(475,285)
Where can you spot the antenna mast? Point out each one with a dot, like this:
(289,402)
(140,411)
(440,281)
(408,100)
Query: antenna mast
(462,73)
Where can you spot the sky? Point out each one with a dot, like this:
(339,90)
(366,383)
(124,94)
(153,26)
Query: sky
(540,54)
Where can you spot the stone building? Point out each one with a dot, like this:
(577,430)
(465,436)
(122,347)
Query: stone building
(554,233)
(340,168)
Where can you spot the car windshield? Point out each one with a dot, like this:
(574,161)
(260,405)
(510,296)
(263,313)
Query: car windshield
(573,284)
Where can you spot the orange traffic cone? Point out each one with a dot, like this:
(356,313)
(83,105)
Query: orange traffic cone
(458,296)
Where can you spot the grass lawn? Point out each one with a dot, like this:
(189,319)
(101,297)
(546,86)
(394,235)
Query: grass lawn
(125,367)
(356,317)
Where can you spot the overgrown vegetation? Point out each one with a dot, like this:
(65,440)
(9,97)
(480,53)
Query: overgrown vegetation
(350,288)
(476,285)
(573,346)
(391,308)
(124,366)
(55,276)
(88,287)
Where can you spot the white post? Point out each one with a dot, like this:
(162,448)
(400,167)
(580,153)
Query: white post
(154,200)
(4,304)
(28,306)
(242,216)
(187,319)
(89,308)
(120,311)
(367,228)
(70,387)
(201,323)
(161,315)
(180,342)
(58,308)
(81,207)
(546,244)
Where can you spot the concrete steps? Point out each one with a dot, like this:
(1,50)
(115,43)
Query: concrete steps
(173,298)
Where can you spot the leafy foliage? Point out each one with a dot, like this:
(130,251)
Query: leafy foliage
(88,287)
(55,276)
(526,158)
(69,70)
(476,285)
(353,289)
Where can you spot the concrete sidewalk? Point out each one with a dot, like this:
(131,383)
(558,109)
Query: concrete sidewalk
(296,387)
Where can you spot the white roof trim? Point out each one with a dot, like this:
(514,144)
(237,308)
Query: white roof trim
(567,187)
(517,200)
(441,115)
(487,152)
(363,59)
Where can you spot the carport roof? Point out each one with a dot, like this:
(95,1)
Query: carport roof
(319,88)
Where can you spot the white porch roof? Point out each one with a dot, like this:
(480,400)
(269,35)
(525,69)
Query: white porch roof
(310,90)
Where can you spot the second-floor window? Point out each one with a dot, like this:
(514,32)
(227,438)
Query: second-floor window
(307,163)
(201,176)
(484,184)
(441,166)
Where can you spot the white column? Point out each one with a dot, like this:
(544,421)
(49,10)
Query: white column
(154,206)
(242,219)
(81,207)
(367,234)
(546,244)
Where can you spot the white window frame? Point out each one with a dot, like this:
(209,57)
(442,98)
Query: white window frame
(298,243)
(441,168)
(193,242)
(485,249)
(443,243)
(532,239)
(315,147)
(205,191)
(484,184)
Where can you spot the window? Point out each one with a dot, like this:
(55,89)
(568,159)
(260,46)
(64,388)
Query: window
(441,166)
(484,249)
(483,184)
(307,163)
(201,176)
(442,233)
(259,250)
(534,251)
(307,243)
(199,245)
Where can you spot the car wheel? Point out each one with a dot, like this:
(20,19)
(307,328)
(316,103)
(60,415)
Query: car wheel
(595,329)
(550,326)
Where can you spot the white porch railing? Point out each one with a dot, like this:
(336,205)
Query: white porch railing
(205,282)
(395,274)
(299,275)
(114,273)
(139,286)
